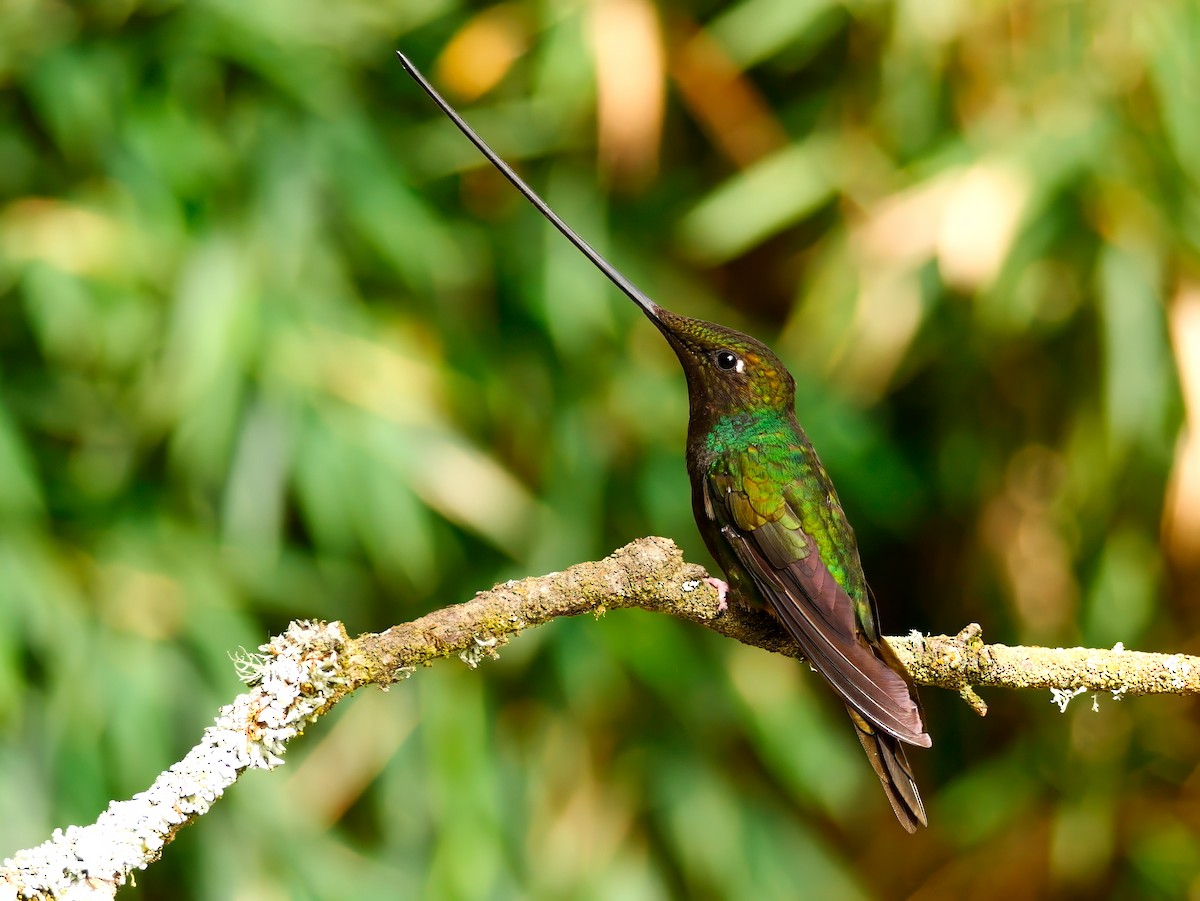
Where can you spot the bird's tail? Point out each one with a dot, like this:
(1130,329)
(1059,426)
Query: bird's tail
(891,766)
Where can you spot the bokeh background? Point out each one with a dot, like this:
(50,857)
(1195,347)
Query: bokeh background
(275,344)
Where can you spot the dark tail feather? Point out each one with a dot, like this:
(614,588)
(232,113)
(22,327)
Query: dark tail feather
(891,766)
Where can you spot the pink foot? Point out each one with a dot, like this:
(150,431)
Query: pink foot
(722,590)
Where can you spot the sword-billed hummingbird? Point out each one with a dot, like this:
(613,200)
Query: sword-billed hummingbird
(770,516)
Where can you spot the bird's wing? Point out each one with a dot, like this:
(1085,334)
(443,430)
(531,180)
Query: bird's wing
(766,535)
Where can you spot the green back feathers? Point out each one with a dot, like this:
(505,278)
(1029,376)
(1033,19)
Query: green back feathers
(772,476)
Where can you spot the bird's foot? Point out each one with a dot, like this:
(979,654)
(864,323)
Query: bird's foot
(722,590)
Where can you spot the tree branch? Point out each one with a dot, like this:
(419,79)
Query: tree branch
(300,675)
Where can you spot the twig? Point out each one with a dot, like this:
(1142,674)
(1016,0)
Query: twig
(300,675)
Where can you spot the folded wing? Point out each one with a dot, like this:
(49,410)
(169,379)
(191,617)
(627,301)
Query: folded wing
(785,564)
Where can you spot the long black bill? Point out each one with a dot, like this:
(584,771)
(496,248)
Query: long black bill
(649,307)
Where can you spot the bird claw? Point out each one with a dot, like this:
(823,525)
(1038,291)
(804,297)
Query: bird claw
(722,590)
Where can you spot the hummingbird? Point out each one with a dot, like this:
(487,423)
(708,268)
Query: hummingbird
(769,515)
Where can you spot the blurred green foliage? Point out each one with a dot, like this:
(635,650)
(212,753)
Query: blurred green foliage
(273,344)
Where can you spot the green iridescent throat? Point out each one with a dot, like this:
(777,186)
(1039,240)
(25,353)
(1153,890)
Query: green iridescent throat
(735,432)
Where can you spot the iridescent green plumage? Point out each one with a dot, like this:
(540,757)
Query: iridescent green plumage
(770,516)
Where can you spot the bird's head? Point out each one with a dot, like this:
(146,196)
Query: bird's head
(728,373)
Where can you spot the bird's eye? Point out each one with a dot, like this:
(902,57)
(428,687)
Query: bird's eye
(726,360)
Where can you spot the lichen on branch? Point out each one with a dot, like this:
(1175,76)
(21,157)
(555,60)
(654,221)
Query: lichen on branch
(299,675)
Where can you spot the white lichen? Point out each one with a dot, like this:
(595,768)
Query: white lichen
(1179,670)
(295,677)
(483,647)
(247,665)
(1062,696)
